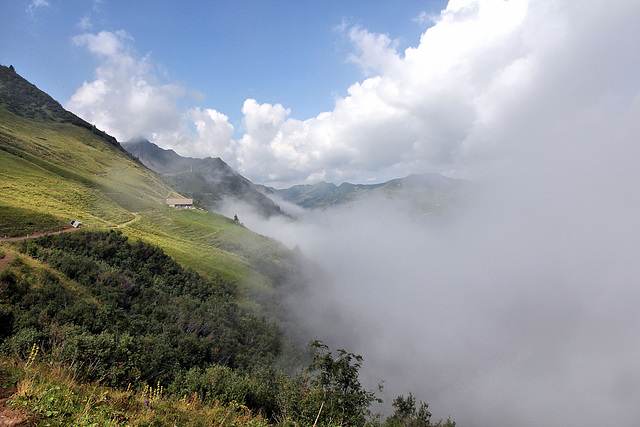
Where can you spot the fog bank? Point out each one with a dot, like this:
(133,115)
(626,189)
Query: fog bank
(519,307)
(521,310)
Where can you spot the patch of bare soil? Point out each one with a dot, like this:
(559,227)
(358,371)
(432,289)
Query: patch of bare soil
(4,261)
(11,417)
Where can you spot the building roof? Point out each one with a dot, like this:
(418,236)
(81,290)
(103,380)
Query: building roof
(179,201)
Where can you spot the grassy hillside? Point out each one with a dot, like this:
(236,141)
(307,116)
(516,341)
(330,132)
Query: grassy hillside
(69,172)
(218,246)
(53,170)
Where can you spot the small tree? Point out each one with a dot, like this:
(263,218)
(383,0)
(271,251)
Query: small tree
(406,414)
(340,396)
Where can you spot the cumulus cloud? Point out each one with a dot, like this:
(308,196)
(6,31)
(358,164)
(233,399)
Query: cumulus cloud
(128,99)
(418,108)
(455,103)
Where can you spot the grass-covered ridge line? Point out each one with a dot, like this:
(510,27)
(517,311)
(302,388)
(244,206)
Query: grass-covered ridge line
(66,171)
(24,99)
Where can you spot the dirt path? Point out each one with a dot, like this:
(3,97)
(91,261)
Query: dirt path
(65,230)
(34,235)
(10,417)
(8,257)
(124,224)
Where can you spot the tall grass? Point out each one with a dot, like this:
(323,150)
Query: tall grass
(52,396)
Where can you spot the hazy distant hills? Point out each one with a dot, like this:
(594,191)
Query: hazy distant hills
(210,180)
(427,192)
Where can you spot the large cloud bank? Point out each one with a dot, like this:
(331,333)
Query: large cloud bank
(484,74)
(521,310)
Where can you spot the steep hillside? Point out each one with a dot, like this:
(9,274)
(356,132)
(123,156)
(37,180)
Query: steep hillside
(54,163)
(53,170)
(24,99)
(210,180)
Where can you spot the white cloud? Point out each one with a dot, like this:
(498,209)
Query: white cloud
(416,112)
(425,18)
(127,99)
(35,4)
(375,52)
(457,103)
(85,23)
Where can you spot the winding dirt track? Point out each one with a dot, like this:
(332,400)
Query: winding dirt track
(34,235)
(9,256)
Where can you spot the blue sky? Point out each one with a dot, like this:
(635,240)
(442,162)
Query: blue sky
(291,92)
(288,52)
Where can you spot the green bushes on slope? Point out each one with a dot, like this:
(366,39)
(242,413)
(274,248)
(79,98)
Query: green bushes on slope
(122,313)
(134,315)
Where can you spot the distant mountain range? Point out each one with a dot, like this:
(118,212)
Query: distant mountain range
(212,181)
(427,191)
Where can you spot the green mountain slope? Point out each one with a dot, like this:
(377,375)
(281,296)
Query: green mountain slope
(53,170)
(210,180)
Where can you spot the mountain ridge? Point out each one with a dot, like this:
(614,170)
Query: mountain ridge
(210,179)
(429,189)
(25,99)
(213,181)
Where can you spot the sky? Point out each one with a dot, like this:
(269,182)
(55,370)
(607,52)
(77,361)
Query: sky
(291,92)
(191,75)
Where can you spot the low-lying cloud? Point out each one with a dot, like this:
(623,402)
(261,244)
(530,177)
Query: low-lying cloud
(521,308)
(517,308)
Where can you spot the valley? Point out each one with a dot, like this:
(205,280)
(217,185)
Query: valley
(143,297)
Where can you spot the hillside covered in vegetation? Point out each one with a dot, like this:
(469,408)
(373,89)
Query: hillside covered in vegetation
(146,315)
